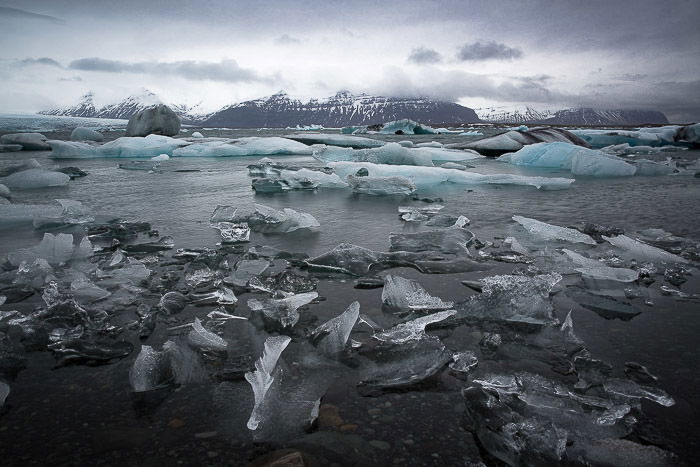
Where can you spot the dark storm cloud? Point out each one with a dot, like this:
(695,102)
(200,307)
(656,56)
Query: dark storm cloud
(285,39)
(424,55)
(225,70)
(16,13)
(40,61)
(487,50)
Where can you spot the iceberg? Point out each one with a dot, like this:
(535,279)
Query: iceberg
(577,159)
(342,141)
(262,378)
(126,146)
(267,219)
(550,232)
(511,141)
(251,146)
(408,295)
(35,178)
(598,270)
(55,249)
(394,154)
(427,177)
(689,133)
(28,141)
(644,137)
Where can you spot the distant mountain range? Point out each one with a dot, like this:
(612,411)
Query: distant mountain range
(576,116)
(346,109)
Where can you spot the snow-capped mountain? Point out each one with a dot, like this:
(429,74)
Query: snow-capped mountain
(84,108)
(575,116)
(342,109)
(123,109)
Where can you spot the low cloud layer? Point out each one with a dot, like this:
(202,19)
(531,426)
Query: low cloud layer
(16,13)
(487,50)
(226,70)
(424,55)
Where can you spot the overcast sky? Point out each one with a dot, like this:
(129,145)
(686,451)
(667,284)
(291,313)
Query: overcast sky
(545,54)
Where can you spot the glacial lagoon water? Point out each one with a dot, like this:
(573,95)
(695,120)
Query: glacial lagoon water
(80,413)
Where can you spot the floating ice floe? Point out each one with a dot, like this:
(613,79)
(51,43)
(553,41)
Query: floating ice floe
(28,141)
(515,140)
(126,146)
(408,295)
(85,134)
(35,178)
(395,154)
(431,176)
(342,141)
(381,186)
(251,146)
(579,160)
(55,249)
(627,149)
(643,252)
(643,137)
(266,219)
(597,270)
(549,232)
(264,375)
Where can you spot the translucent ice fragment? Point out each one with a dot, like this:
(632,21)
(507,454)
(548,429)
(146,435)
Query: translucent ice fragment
(55,249)
(262,378)
(412,330)
(382,186)
(202,338)
(553,232)
(409,295)
(35,178)
(283,311)
(332,336)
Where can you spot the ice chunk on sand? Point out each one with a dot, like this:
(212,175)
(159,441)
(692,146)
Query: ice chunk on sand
(598,270)
(85,134)
(204,339)
(430,176)
(643,252)
(412,330)
(283,311)
(73,213)
(381,186)
(35,178)
(262,378)
(331,336)
(267,219)
(251,146)
(342,141)
(126,146)
(150,370)
(553,232)
(452,240)
(222,219)
(28,141)
(55,249)
(408,295)
(464,362)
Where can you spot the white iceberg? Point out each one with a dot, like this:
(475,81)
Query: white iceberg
(395,154)
(431,176)
(332,336)
(55,249)
(412,330)
(126,146)
(35,178)
(85,134)
(252,146)
(643,137)
(553,232)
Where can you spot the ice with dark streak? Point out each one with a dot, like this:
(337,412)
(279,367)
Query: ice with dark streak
(408,295)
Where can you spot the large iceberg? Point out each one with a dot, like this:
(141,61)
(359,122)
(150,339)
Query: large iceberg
(35,178)
(549,232)
(643,137)
(431,176)
(343,141)
(515,140)
(395,154)
(55,249)
(251,146)
(580,160)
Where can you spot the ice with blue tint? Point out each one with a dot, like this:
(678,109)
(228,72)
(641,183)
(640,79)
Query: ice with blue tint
(598,270)
(394,154)
(262,378)
(432,176)
(581,161)
(407,127)
(34,178)
(381,186)
(643,137)
(126,146)
(251,146)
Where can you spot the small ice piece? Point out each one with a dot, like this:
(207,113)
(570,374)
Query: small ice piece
(245,270)
(553,232)
(233,232)
(633,390)
(55,249)
(197,134)
(598,270)
(283,311)
(250,146)
(172,303)
(267,219)
(202,338)
(463,362)
(412,330)
(414,213)
(381,186)
(150,370)
(199,275)
(4,392)
(262,378)
(332,336)
(85,134)
(515,245)
(35,178)
(408,295)
(160,158)
(643,252)
(86,292)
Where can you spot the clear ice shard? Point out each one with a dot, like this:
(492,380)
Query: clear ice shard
(597,270)
(332,336)
(643,252)
(412,330)
(34,178)
(408,295)
(553,232)
(4,392)
(55,249)
(262,378)
(463,362)
(394,154)
(266,219)
(245,270)
(283,311)
(150,370)
(202,338)
(426,177)
(222,219)
(381,186)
